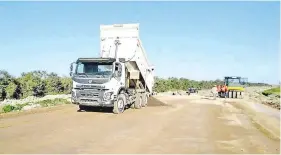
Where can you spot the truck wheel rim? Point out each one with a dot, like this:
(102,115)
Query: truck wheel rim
(120,105)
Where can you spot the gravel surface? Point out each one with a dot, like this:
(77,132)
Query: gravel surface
(191,125)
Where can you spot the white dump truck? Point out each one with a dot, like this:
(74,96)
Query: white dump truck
(121,77)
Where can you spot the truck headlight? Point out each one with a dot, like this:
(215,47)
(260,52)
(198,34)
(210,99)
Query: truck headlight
(107,95)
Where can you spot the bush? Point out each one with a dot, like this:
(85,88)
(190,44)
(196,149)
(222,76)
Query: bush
(35,83)
(8,108)
(13,91)
(275,91)
(49,102)
(40,83)
(44,103)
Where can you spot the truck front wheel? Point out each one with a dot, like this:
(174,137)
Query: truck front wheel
(119,105)
(82,108)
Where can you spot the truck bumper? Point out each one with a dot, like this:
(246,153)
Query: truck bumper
(92,102)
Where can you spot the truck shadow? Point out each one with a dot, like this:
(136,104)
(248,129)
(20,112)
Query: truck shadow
(153,102)
(97,109)
(208,98)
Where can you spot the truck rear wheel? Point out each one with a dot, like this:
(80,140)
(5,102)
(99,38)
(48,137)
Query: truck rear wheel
(119,105)
(230,93)
(145,100)
(139,101)
(242,95)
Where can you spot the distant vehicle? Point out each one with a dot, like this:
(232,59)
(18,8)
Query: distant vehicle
(191,90)
(235,87)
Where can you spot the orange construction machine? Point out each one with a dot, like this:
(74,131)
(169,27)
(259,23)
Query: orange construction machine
(234,87)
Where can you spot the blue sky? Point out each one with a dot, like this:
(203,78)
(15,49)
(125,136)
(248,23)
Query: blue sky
(200,40)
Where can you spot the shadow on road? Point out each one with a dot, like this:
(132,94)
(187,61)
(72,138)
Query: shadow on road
(208,98)
(96,109)
(153,102)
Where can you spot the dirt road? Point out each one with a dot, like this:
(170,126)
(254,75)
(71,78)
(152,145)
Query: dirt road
(189,125)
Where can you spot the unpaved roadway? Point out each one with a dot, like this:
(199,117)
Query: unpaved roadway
(188,125)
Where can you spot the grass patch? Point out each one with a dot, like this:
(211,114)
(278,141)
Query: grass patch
(17,107)
(44,103)
(272,91)
(49,102)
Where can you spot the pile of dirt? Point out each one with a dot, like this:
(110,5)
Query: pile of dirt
(255,94)
(153,102)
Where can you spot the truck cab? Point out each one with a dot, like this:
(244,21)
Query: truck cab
(122,76)
(96,81)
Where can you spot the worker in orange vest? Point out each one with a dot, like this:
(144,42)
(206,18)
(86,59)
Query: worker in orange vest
(223,90)
(219,90)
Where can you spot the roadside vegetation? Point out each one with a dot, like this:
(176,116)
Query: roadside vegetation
(272,91)
(171,84)
(26,91)
(35,83)
(40,83)
(27,106)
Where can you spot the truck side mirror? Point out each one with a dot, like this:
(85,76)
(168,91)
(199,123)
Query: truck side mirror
(117,70)
(71,69)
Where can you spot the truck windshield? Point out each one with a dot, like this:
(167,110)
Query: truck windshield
(95,69)
(233,82)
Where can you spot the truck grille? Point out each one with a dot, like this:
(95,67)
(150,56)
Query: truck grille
(90,94)
(88,100)
(88,87)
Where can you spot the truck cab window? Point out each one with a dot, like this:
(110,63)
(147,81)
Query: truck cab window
(80,68)
(93,68)
(118,68)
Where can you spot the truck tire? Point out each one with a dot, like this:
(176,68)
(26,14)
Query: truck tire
(132,106)
(82,108)
(234,94)
(230,93)
(241,95)
(139,101)
(145,100)
(119,104)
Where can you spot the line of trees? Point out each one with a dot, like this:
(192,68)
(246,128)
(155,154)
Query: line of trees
(35,83)
(170,84)
(40,83)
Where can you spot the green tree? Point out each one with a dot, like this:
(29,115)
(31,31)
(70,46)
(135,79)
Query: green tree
(54,84)
(5,79)
(13,90)
(67,84)
(32,84)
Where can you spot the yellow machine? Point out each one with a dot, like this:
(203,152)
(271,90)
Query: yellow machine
(235,86)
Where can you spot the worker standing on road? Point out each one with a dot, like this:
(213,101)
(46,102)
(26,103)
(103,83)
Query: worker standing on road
(219,87)
(214,91)
(223,90)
